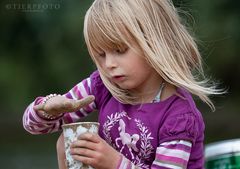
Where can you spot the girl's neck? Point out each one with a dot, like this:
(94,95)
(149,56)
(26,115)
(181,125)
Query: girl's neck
(165,90)
(147,92)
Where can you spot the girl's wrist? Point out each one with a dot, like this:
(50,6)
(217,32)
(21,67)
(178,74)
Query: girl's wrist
(119,162)
(48,97)
(46,115)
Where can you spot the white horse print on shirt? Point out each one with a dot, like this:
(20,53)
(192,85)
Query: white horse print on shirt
(127,139)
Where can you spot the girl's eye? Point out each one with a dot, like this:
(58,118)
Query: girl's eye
(121,50)
(102,54)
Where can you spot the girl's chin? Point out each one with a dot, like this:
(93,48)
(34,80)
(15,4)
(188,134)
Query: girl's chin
(125,87)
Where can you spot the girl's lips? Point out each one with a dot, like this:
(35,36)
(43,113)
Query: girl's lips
(118,78)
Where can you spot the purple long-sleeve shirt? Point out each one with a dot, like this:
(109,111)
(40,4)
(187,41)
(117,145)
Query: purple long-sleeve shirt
(165,134)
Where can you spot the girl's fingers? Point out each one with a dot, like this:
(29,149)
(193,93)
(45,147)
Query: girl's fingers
(84,101)
(84,159)
(84,144)
(62,105)
(83,152)
(90,137)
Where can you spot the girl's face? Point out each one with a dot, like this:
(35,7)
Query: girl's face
(128,69)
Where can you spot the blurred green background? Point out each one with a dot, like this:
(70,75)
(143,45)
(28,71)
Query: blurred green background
(42,51)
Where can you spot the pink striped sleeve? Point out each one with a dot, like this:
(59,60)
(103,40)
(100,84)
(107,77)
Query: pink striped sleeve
(80,91)
(34,124)
(37,125)
(171,155)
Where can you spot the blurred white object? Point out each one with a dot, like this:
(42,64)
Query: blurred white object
(223,154)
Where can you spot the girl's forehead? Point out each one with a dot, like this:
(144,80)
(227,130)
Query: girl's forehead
(103,37)
(110,46)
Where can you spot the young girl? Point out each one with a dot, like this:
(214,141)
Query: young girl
(142,90)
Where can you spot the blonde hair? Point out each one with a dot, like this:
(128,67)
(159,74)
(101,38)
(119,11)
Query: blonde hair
(154,25)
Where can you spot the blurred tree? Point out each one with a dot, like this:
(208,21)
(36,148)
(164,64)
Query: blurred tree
(44,52)
(41,52)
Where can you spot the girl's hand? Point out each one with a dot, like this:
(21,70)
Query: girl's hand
(60,104)
(92,150)
(61,153)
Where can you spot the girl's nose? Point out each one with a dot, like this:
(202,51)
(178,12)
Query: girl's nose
(110,61)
